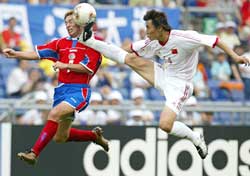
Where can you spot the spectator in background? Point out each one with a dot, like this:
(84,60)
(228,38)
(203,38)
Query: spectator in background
(103,81)
(244,33)
(141,3)
(135,118)
(201,89)
(36,116)
(139,33)
(92,117)
(245,12)
(202,3)
(245,74)
(206,118)
(59,2)
(137,95)
(32,85)
(11,38)
(17,78)
(114,117)
(2,44)
(40,2)
(171,3)
(220,29)
(104,78)
(75,2)
(220,69)
(50,85)
(230,37)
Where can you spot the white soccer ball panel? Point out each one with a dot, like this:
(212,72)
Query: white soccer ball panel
(84,13)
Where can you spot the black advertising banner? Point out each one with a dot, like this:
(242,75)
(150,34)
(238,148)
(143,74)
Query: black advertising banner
(137,151)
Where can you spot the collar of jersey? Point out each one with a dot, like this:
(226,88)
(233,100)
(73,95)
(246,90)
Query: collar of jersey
(70,38)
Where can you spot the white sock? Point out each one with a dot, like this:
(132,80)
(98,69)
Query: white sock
(111,51)
(183,131)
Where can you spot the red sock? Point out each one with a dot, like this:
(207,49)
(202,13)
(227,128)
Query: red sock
(81,135)
(47,133)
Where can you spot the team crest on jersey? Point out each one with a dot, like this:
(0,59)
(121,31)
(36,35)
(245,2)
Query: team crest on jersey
(174,51)
(72,56)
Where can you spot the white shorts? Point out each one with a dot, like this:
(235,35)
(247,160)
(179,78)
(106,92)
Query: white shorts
(175,90)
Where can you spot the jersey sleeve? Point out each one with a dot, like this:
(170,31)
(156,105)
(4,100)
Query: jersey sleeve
(91,60)
(48,50)
(142,48)
(194,39)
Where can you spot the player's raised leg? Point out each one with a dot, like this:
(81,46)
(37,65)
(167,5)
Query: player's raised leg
(47,133)
(169,124)
(65,133)
(143,67)
(95,135)
(59,128)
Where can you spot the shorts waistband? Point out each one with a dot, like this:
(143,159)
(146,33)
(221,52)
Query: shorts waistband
(74,85)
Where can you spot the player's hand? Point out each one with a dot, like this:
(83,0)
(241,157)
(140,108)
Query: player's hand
(243,60)
(87,33)
(9,53)
(59,65)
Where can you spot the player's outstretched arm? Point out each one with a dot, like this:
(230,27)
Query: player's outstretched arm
(232,54)
(25,55)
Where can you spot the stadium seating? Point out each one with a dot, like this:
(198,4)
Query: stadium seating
(6,65)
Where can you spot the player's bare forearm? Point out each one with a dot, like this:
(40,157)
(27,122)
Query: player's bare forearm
(71,67)
(232,54)
(78,68)
(24,55)
(227,50)
(28,55)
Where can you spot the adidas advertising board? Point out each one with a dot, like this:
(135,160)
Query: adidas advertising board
(141,151)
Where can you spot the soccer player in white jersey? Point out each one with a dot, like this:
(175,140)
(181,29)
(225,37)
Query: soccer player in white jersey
(179,51)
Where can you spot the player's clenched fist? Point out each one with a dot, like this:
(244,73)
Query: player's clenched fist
(243,60)
(59,65)
(8,52)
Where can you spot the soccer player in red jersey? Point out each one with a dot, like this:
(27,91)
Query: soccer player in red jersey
(77,64)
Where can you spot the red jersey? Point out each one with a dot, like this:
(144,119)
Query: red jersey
(11,39)
(69,50)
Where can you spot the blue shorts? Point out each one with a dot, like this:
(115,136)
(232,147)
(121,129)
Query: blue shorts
(76,95)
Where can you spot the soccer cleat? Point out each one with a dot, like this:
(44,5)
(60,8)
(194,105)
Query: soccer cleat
(87,31)
(202,147)
(28,156)
(100,140)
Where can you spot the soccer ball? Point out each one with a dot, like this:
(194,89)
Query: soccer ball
(84,13)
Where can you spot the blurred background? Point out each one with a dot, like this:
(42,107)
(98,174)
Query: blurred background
(121,99)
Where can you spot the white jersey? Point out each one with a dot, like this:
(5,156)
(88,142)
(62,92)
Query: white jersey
(179,53)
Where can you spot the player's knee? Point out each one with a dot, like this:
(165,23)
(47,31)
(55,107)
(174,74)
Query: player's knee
(165,126)
(53,115)
(60,139)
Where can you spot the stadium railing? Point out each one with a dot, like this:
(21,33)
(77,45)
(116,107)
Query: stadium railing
(10,107)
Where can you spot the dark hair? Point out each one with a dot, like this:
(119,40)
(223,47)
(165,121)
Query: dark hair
(12,18)
(159,19)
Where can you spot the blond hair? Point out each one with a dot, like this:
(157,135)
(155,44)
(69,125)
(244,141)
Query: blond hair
(70,12)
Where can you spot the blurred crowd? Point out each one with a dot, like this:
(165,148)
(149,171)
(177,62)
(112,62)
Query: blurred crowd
(217,78)
(162,3)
